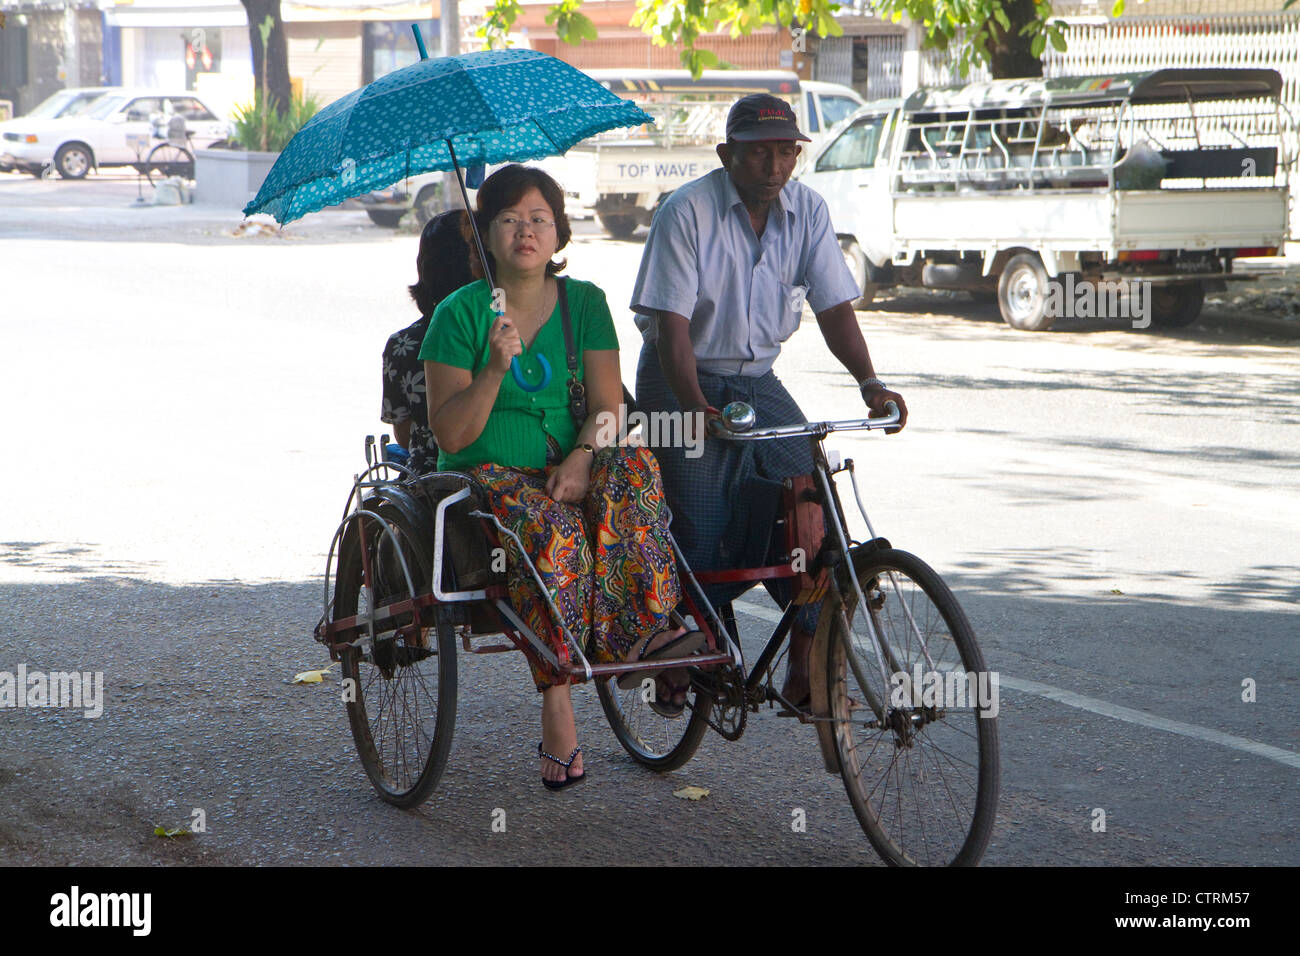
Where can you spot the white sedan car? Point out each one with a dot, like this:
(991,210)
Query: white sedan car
(107,134)
(64,103)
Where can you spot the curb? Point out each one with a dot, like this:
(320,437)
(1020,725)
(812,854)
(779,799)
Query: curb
(1260,324)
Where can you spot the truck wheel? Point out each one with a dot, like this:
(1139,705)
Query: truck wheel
(428,204)
(388,218)
(1022,293)
(620,226)
(73,160)
(1178,305)
(856,260)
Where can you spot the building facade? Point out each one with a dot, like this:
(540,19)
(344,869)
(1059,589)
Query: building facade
(334,46)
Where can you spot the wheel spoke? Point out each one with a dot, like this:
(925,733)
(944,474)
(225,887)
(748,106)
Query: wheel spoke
(915,779)
(402,718)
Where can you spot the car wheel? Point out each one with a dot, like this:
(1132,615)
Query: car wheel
(388,218)
(618,226)
(1022,294)
(73,160)
(428,204)
(1178,305)
(856,260)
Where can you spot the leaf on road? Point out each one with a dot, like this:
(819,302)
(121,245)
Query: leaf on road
(1116,591)
(692,793)
(311,677)
(170,832)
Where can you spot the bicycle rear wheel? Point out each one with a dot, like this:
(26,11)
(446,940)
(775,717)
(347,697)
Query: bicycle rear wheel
(658,742)
(168,159)
(924,780)
(404,706)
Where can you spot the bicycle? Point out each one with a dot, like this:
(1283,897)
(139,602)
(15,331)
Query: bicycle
(921,773)
(172,157)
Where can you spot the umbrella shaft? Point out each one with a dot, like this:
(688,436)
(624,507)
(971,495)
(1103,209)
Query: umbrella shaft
(473,222)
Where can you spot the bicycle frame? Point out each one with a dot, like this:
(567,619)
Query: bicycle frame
(833,512)
(569,657)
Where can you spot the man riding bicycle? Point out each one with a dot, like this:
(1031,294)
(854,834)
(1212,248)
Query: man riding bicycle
(729,262)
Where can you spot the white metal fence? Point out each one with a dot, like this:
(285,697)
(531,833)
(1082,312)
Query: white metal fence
(884,67)
(835,60)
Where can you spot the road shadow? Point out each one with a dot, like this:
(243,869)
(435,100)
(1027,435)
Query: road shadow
(200,714)
(1216,328)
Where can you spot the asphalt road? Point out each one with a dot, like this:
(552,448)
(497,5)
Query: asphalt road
(180,415)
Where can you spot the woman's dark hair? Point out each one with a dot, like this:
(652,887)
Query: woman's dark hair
(502,190)
(442,264)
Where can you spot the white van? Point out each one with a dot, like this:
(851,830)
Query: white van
(1152,182)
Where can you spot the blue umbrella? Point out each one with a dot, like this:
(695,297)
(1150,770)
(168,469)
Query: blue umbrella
(488,107)
(479,108)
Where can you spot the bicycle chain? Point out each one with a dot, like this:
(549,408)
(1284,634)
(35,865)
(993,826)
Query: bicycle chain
(729,704)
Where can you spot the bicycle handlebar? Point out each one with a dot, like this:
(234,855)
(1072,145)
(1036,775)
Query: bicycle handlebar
(737,414)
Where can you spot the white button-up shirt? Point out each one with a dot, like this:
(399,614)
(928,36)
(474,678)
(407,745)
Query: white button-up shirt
(743,295)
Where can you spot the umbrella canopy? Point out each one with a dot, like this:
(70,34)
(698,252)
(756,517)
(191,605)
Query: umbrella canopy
(488,107)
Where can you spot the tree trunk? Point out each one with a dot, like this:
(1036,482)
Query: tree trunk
(1011,56)
(274,66)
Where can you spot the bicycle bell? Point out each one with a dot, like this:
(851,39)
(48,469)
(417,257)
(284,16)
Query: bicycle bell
(738,417)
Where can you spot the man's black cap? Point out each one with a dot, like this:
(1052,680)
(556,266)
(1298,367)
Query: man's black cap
(762,116)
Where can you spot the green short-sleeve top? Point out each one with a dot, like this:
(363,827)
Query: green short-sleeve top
(516,431)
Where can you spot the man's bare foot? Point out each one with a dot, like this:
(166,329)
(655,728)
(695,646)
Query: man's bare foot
(559,735)
(634,678)
(656,642)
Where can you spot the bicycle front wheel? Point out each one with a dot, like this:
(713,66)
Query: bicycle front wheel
(402,700)
(168,159)
(922,775)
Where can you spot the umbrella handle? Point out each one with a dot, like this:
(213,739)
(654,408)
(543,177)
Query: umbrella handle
(517,371)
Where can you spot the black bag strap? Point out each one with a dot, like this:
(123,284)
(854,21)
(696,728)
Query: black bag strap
(577,391)
(571,354)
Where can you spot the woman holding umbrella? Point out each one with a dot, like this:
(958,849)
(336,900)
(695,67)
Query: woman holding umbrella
(592,518)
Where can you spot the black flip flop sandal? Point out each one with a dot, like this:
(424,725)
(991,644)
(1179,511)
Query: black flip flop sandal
(567,781)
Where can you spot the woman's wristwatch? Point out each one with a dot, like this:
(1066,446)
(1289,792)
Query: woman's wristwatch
(586,447)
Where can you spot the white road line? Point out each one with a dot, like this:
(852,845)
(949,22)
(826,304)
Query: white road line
(1093,705)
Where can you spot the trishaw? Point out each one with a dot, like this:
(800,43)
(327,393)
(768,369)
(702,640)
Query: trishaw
(416,568)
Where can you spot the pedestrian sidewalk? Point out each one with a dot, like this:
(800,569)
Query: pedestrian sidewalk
(1269,301)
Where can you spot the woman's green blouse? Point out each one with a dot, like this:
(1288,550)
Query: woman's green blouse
(516,431)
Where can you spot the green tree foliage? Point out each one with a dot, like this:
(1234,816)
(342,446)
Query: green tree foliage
(1009,36)
(677,22)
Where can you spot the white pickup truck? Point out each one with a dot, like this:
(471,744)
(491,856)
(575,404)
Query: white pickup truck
(1129,194)
(635,169)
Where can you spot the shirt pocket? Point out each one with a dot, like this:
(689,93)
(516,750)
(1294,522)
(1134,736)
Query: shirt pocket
(790,309)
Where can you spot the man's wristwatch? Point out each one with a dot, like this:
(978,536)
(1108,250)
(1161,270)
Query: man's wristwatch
(867,383)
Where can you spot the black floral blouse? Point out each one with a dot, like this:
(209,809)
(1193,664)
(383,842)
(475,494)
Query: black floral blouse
(404,398)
